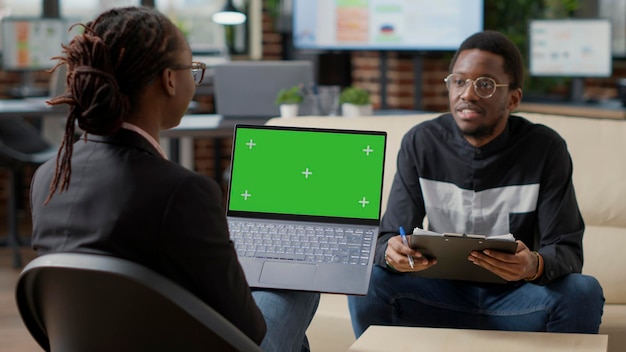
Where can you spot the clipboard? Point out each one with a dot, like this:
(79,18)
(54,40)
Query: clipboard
(452,250)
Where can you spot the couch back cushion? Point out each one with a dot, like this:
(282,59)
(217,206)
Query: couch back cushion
(597,147)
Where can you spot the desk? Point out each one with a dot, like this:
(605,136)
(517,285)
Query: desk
(35,107)
(407,339)
(30,107)
(178,141)
(611,109)
(224,128)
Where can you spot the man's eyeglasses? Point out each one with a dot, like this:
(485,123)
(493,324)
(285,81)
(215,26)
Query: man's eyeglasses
(484,87)
(197,70)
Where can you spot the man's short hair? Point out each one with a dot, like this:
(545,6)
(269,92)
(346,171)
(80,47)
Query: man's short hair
(499,44)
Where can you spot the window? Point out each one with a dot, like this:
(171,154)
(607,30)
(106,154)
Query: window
(193,17)
(85,10)
(20,7)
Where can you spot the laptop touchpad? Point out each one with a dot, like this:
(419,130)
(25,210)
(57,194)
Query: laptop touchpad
(287,273)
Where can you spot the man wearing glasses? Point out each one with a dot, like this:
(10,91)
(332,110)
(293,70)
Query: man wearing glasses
(481,170)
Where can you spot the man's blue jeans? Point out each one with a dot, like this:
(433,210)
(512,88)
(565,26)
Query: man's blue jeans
(287,316)
(572,304)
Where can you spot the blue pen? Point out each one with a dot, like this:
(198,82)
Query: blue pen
(403,235)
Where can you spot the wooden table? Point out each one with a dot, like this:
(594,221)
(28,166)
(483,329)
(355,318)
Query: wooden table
(407,339)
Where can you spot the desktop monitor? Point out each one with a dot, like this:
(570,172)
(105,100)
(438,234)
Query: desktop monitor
(248,89)
(575,48)
(28,44)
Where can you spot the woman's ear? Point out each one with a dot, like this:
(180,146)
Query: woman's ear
(168,81)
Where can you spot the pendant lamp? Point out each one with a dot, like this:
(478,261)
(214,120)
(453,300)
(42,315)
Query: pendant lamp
(229,15)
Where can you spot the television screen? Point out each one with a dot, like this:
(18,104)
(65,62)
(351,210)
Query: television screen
(29,43)
(571,48)
(415,25)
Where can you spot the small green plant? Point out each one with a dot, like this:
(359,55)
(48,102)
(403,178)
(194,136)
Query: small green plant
(354,95)
(291,95)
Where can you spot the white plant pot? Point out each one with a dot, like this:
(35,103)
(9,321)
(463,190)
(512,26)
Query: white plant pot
(351,110)
(288,110)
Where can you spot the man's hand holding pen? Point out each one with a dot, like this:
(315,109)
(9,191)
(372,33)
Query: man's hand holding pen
(397,253)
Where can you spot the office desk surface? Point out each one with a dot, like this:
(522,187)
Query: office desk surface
(38,107)
(212,126)
(408,339)
(178,141)
(30,107)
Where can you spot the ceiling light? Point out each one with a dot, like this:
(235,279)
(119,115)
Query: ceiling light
(229,15)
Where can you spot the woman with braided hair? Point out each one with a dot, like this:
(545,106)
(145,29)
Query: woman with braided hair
(130,75)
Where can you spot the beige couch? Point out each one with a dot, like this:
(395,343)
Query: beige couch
(598,149)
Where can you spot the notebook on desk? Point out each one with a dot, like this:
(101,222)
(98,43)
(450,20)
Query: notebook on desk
(304,206)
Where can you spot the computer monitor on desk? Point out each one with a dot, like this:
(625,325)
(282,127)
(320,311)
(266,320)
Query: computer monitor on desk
(572,48)
(248,89)
(28,45)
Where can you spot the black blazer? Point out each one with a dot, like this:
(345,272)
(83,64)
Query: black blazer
(125,200)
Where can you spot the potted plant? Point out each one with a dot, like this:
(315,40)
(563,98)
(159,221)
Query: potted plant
(355,101)
(289,99)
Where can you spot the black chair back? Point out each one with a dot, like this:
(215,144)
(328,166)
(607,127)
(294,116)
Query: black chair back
(85,302)
(22,143)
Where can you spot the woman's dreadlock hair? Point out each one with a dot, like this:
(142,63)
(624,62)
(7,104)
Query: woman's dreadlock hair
(118,54)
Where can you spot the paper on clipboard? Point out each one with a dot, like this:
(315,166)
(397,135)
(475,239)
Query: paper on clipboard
(452,251)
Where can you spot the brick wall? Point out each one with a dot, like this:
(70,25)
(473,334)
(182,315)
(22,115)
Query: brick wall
(11,79)
(400,78)
(604,88)
(272,40)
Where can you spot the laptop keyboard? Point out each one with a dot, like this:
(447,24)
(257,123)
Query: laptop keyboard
(305,243)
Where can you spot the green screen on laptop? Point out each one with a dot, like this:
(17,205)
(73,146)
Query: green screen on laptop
(329,173)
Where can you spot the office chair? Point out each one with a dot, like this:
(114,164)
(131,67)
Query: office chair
(21,144)
(73,302)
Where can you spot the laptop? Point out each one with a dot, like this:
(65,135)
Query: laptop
(248,89)
(304,206)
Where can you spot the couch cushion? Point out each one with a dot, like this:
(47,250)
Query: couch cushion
(604,259)
(597,147)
